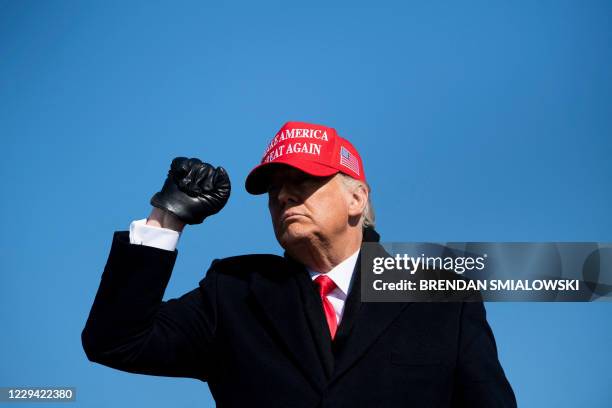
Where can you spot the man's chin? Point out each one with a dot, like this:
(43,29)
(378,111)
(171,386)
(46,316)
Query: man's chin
(293,237)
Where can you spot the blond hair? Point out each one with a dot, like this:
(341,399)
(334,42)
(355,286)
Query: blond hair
(368,218)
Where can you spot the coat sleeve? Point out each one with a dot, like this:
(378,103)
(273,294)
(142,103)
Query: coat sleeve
(480,380)
(130,328)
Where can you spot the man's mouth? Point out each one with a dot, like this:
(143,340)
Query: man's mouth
(291,216)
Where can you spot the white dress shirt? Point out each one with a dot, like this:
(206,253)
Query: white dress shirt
(167,239)
(341,274)
(148,235)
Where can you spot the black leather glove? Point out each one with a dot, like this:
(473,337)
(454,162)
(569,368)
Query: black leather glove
(193,190)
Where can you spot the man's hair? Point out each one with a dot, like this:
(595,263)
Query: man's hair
(368,218)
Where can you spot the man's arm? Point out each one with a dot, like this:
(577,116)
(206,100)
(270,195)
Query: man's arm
(480,380)
(163,219)
(130,328)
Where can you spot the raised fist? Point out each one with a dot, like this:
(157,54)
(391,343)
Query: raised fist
(193,190)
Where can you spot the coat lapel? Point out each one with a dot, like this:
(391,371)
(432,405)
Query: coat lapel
(370,322)
(281,299)
(362,323)
(351,310)
(313,307)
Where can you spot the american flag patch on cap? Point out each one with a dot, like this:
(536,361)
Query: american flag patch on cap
(348,160)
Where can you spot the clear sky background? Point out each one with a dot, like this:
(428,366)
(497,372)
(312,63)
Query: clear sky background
(477,121)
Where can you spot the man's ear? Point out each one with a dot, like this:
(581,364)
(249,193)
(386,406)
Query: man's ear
(358,200)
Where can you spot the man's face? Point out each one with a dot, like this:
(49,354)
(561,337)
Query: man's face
(307,209)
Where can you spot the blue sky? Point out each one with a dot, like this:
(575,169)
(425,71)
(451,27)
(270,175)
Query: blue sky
(477,121)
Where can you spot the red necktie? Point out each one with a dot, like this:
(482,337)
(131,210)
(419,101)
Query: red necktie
(326,285)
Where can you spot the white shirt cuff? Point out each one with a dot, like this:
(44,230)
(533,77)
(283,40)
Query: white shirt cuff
(157,237)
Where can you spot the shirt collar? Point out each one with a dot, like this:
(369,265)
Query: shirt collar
(341,274)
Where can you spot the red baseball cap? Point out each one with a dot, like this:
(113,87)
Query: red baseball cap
(314,149)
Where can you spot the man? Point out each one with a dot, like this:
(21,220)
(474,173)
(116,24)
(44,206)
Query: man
(289,331)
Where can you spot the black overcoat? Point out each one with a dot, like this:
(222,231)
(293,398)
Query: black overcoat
(255,331)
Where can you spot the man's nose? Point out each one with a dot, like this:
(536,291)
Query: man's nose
(287,194)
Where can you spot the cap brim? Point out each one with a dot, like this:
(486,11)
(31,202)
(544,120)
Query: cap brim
(259,178)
